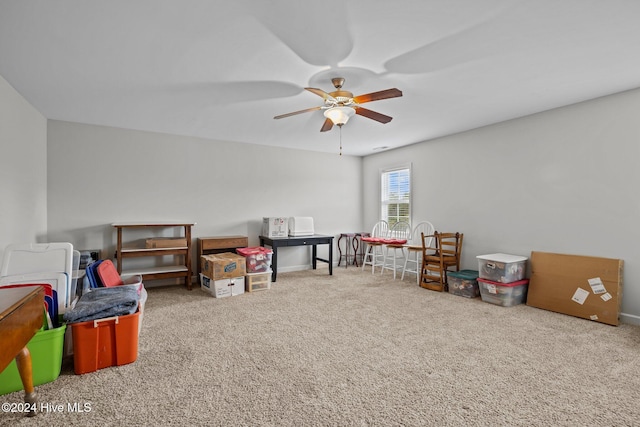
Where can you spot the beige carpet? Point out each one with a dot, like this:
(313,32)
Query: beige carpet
(354,349)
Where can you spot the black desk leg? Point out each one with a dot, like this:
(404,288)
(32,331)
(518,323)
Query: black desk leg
(274,263)
(314,253)
(331,258)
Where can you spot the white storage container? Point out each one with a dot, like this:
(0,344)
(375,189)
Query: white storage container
(37,258)
(275,226)
(54,260)
(503,268)
(258,281)
(301,226)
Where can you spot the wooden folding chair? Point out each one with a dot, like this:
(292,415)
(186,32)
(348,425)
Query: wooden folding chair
(438,260)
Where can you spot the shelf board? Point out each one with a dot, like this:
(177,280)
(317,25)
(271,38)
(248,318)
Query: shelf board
(133,249)
(156,270)
(153,224)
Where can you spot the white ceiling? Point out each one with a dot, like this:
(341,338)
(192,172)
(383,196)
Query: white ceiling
(223,69)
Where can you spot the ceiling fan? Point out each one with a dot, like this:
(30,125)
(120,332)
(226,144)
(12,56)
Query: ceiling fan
(340,105)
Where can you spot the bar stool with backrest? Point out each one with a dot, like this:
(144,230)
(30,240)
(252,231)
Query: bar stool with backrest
(399,234)
(374,252)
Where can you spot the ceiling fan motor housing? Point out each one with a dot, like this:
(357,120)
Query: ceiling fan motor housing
(342,96)
(337,82)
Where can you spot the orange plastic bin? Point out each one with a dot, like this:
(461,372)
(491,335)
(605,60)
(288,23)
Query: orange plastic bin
(102,343)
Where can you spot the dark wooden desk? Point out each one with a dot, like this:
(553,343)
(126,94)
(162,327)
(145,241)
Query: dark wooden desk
(21,315)
(313,241)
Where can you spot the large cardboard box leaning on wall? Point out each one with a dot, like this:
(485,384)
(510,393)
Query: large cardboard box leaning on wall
(581,286)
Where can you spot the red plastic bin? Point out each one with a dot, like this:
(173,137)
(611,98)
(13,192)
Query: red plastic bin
(102,343)
(258,258)
(504,294)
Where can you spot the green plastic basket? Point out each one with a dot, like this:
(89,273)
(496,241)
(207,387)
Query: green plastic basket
(46,349)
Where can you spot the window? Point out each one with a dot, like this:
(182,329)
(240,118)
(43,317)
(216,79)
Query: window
(396,195)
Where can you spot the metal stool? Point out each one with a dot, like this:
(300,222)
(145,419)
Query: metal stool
(350,242)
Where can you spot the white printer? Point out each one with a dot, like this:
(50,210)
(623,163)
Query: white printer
(300,226)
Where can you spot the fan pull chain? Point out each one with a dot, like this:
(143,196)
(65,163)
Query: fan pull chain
(340,140)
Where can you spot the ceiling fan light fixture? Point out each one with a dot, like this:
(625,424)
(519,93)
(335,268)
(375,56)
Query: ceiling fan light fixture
(339,115)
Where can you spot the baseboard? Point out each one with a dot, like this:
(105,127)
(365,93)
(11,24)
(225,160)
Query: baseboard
(630,319)
(296,268)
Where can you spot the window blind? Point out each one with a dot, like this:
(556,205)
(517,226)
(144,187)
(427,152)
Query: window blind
(396,195)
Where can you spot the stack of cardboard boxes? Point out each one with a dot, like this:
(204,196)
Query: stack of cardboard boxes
(228,274)
(223,274)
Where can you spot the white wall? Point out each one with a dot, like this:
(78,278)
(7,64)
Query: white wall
(562,181)
(100,175)
(23,170)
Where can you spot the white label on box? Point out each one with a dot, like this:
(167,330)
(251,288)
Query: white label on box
(593,317)
(597,286)
(580,296)
(492,289)
(606,297)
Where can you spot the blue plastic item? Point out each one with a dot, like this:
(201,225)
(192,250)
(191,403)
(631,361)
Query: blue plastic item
(92,275)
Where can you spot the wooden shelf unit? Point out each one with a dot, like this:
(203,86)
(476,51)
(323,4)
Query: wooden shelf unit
(182,253)
(218,244)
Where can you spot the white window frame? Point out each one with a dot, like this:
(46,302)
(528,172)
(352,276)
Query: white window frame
(387,199)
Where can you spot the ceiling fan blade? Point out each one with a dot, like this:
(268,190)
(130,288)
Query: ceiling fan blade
(324,95)
(281,116)
(328,124)
(375,96)
(454,49)
(306,38)
(373,115)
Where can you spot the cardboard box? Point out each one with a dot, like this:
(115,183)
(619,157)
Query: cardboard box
(580,286)
(223,287)
(165,242)
(275,227)
(226,265)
